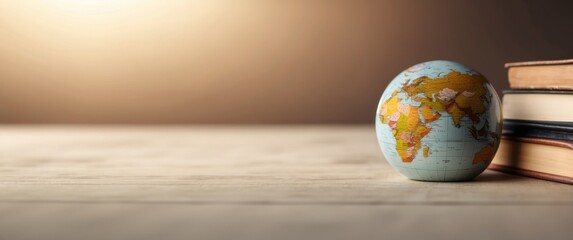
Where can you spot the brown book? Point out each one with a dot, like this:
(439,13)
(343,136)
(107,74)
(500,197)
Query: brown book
(554,74)
(546,159)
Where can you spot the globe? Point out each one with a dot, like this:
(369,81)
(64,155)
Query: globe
(439,121)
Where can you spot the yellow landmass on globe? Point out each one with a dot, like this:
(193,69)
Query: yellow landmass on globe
(484,154)
(457,94)
(408,129)
(428,114)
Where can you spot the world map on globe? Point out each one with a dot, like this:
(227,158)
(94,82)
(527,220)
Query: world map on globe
(439,121)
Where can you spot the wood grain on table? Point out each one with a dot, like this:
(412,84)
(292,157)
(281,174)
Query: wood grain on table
(250,182)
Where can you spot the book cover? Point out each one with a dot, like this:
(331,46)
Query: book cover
(515,128)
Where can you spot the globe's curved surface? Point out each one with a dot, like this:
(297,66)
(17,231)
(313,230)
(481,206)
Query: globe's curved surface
(439,121)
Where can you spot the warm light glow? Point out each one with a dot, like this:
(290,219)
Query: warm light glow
(94,6)
(182,60)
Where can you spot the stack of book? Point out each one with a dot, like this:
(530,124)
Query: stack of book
(537,136)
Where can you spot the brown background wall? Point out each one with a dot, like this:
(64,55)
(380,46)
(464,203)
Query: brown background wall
(254,62)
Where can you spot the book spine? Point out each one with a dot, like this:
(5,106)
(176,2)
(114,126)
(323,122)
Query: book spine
(521,86)
(535,133)
(532,174)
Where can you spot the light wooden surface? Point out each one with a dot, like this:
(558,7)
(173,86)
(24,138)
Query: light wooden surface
(251,182)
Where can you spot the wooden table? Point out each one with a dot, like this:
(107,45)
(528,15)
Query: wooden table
(250,182)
